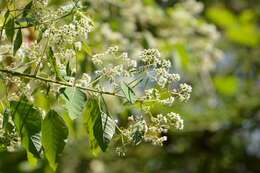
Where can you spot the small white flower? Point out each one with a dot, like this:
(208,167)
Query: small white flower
(78,45)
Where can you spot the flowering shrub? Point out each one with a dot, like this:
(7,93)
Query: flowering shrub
(40,53)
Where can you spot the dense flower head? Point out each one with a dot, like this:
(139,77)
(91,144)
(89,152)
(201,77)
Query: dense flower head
(139,130)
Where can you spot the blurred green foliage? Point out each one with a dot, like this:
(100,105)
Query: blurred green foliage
(241,28)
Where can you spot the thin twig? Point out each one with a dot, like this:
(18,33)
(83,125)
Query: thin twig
(14,73)
(42,55)
(1,31)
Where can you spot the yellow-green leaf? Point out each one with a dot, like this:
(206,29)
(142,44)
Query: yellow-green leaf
(100,126)
(54,134)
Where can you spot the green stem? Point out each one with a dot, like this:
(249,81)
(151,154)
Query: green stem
(44,22)
(1,32)
(14,73)
(42,55)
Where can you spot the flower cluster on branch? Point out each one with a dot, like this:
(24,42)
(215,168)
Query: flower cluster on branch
(50,63)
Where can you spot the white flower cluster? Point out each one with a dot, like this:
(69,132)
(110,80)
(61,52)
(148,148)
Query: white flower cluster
(66,54)
(150,64)
(85,80)
(158,69)
(161,67)
(202,45)
(193,7)
(139,130)
(185,91)
(19,88)
(40,11)
(117,66)
(136,130)
(99,59)
(5,50)
(83,24)
(114,65)
(151,57)
(46,15)
(40,3)
(32,52)
(64,37)
(68,34)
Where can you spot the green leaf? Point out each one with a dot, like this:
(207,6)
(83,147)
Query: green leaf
(183,54)
(54,134)
(52,60)
(222,17)
(68,70)
(27,8)
(74,101)
(6,116)
(7,14)
(9,29)
(86,48)
(226,85)
(250,36)
(40,34)
(27,120)
(100,126)
(104,130)
(18,41)
(138,137)
(128,92)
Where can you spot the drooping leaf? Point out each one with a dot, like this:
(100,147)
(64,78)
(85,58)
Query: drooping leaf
(6,124)
(90,114)
(27,8)
(27,120)
(137,137)
(99,125)
(74,101)
(9,29)
(86,48)
(104,131)
(53,63)
(128,92)
(18,41)
(7,14)
(54,134)
(40,34)
(68,70)
(6,115)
